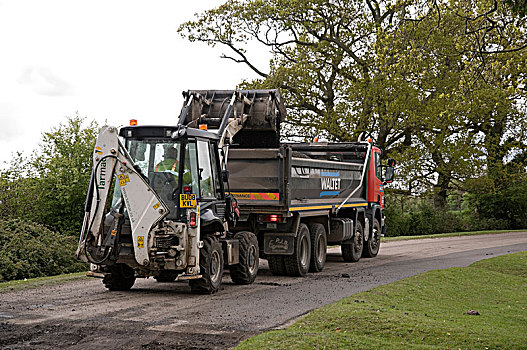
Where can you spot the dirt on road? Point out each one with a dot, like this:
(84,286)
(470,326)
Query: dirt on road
(82,314)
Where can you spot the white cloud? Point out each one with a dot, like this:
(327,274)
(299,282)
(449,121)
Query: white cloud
(9,128)
(44,82)
(107,60)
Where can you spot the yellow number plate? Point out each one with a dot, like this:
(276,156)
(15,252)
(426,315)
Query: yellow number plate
(187,200)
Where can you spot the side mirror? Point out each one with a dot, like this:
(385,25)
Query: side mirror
(391,162)
(388,176)
(225,175)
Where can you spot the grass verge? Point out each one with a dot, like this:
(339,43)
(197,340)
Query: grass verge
(427,311)
(452,234)
(40,281)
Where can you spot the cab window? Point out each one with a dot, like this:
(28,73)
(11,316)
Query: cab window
(206,180)
(378,165)
(190,174)
(216,176)
(140,153)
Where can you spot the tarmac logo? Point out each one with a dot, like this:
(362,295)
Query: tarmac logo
(102,175)
(141,242)
(98,150)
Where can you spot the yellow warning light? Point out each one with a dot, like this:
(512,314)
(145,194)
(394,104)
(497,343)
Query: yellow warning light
(203,126)
(133,121)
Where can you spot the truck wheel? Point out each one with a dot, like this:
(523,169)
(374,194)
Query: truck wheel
(276,265)
(351,252)
(121,277)
(318,247)
(211,267)
(371,247)
(245,272)
(298,263)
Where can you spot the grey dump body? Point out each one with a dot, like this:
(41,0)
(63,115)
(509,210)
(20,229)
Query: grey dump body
(303,178)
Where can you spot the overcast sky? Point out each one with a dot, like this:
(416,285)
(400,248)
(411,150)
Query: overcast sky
(105,60)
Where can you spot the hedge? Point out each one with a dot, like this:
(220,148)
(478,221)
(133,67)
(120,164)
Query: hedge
(32,250)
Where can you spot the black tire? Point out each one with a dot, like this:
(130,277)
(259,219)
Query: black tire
(298,263)
(245,272)
(211,267)
(277,265)
(372,245)
(121,277)
(166,276)
(318,247)
(351,252)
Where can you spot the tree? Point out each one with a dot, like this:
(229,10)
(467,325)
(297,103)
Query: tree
(466,111)
(50,186)
(418,76)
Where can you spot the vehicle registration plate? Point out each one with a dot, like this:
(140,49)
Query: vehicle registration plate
(187,200)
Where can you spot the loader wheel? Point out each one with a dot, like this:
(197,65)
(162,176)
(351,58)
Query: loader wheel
(276,265)
(121,277)
(298,263)
(318,247)
(245,272)
(351,252)
(371,247)
(211,267)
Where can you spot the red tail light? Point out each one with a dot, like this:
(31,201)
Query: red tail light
(187,189)
(193,220)
(271,218)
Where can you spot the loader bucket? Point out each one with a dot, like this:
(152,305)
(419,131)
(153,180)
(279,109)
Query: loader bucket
(264,110)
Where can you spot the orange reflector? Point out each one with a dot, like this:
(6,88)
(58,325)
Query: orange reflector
(315,139)
(369,140)
(133,121)
(203,126)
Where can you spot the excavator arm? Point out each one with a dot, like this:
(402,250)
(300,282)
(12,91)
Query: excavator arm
(98,239)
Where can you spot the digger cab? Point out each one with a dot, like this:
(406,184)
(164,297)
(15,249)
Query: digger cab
(181,164)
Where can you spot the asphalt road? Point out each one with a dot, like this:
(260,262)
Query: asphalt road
(82,314)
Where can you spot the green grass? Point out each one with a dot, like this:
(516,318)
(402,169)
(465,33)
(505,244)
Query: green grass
(452,234)
(40,281)
(427,311)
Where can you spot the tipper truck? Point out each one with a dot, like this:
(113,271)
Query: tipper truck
(299,197)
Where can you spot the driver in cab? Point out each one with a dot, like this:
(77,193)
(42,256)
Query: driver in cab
(171,164)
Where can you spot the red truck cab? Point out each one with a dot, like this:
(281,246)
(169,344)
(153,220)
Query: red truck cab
(375,181)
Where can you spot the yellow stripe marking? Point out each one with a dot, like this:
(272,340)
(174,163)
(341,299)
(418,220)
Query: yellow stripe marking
(328,206)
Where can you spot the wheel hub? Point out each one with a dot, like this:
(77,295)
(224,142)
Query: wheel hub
(214,266)
(252,259)
(303,251)
(321,249)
